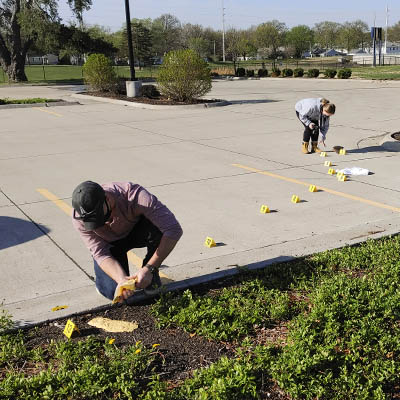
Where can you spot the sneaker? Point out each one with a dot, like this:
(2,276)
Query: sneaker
(155,285)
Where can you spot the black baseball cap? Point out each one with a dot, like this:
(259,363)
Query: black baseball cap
(88,199)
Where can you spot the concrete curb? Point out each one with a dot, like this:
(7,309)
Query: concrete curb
(390,144)
(150,106)
(50,104)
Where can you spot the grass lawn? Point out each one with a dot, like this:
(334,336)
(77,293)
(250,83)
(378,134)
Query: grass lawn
(323,327)
(386,72)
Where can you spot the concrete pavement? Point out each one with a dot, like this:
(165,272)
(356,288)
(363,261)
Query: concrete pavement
(214,168)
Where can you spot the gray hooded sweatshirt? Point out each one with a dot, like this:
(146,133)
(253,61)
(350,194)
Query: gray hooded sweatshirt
(310,111)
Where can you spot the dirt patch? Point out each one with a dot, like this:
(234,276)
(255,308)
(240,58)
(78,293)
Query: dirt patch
(146,100)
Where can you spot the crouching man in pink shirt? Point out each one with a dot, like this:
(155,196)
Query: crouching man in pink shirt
(116,217)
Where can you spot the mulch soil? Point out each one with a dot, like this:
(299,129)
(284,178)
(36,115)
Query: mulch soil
(164,101)
(181,352)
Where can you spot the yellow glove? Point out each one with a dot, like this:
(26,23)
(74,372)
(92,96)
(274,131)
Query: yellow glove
(128,285)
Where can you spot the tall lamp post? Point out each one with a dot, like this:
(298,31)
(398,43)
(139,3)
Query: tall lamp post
(133,87)
(130,44)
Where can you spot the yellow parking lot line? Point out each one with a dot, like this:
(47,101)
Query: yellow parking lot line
(59,203)
(334,192)
(48,112)
(132,257)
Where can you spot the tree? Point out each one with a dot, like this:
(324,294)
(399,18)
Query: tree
(271,35)
(327,34)
(245,45)
(199,45)
(300,38)
(352,34)
(22,22)
(166,33)
(394,33)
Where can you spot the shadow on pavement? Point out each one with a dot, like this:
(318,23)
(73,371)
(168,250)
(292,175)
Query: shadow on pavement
(15,231)
(252,101)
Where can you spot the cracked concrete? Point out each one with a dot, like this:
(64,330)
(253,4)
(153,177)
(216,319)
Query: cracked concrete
(189,159)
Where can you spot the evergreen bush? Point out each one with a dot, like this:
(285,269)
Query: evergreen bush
(330,73)
(298,72)
(344,73)
(287,72)
(313,73)
(262,73)
(241,72)
(250,73)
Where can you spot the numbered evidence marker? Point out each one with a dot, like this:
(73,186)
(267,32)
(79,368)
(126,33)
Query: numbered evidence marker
(323,154)
(342,152)
(58,308)
(312,188)
(331,171)
(295,199)
(342,177)
(210,242)
(264,209)
(70,328)
(328,163)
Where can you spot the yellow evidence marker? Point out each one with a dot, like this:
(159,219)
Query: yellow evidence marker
(342,152)
(328,163)
(331,171)
(342,178)
(264,209)
(210,242)
(70,328)
(58,308)
(312,188)
(295,199)
(323,154)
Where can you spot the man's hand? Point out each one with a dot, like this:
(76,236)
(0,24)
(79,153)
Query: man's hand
(125,292)
(143,278)
(312,126)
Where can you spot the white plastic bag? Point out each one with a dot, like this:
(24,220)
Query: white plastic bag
(354,171)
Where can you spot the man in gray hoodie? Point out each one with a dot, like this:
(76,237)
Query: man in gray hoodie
(314,114)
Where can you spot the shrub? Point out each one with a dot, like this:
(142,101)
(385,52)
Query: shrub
(330,73)
(287,72)
(250,73)
(275,72)
(99,73)
(313,73)
(344,73)
(150,91)
(298,72)
(214,74)
(262,73)
(184,76)
(240,72)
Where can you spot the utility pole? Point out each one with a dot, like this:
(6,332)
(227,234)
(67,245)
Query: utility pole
(386,30)
(130,44)
(223,31)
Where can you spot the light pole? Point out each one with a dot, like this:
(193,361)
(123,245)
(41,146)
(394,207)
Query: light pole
(223,31)
(130,44)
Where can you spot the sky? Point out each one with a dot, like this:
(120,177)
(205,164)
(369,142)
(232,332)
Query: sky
(239,13)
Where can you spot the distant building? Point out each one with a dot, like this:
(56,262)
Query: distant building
(332,53)
(47,59)
(391,48)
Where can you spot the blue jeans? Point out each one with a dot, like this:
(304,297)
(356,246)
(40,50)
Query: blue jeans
(143,234)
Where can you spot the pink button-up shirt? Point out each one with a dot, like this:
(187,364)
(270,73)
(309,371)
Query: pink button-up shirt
(128,201)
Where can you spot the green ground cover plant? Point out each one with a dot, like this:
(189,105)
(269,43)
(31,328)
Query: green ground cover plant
(26,101)
(342,313)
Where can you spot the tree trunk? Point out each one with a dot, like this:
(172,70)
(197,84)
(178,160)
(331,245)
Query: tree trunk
(16,70)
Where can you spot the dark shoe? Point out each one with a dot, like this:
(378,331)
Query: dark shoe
(155,285)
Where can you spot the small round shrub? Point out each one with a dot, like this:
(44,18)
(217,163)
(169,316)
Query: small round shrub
(240,72)
(184,76)
(298,72)
(214,74)
(250,73)
(330,73)
(275,72)
(99,74)
(344,73)
(287,72)
(313,73)
(262,73)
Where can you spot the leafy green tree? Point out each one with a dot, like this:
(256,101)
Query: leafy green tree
(166,33)
(22,22)
(199,45)
(271,35)
(352,34)
(327,34)
(300,38)
(394,32)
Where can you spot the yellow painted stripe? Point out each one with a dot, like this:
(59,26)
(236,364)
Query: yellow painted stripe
(334,192)
(48,112)
(132,257)
(59,203)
